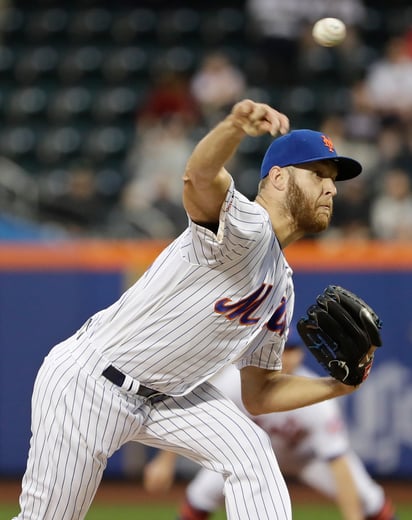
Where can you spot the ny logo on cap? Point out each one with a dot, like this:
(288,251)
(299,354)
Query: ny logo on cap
(328,143)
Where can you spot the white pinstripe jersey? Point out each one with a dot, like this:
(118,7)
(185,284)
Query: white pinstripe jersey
(206,301)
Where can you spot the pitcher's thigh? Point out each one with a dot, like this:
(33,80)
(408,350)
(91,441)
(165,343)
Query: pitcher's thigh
(76,425)
(211,430)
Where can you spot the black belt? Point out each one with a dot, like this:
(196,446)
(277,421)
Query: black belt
(117,378)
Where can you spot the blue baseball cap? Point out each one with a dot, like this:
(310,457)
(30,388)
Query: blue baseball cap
(304,146)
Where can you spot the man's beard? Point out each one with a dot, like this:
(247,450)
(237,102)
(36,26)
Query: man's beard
(303,212)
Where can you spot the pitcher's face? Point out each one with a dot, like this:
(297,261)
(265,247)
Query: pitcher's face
(310,193)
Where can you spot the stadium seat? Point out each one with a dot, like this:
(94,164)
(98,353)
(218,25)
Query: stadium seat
(223,24)
(7,61)
(180,58)
(58,144)
(135,26)
(25,103)
(17,141)
(297,100)
(12,23)
(105,142)
(47,24)
(69,103)
(80,62)
(89,25)
(36,63)
(114,103)
(126,63)
(178,25)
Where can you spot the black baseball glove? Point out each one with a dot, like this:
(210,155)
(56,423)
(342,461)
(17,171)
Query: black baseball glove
(340,330)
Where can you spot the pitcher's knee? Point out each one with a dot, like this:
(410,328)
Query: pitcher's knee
(256,456)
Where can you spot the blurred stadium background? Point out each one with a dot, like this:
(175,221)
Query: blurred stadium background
(101,103)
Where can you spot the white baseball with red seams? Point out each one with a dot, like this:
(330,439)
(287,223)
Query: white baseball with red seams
(329,32)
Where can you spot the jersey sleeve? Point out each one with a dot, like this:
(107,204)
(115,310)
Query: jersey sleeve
(268,355)
(240,228)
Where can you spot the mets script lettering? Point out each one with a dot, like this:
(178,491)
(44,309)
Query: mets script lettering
(244,308)
(277,322)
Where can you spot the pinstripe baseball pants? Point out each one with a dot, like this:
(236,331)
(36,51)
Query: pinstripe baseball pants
(79,419)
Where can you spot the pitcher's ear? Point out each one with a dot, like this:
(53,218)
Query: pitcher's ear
(278,177)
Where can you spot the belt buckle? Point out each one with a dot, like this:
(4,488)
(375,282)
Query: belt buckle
(150,395)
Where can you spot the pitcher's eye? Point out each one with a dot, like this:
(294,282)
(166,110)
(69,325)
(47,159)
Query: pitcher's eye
(325,175)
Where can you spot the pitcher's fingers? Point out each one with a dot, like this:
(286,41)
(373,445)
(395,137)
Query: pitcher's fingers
(284,124)
(244,107)
(260,112)
(279,123)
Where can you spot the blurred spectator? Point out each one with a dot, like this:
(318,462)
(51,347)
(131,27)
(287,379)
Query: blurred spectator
(362,122)
(408,41)
(151,205)
(169,95)
(391,210)
(393,153)
(18,191)
(19,206)
(173,210)
(217,85)
(389,81)
(337,128)
(135,217)
(351,211)
(159,155)
(80,208)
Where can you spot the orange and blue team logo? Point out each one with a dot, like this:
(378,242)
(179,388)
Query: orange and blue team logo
(328,143)
(243,309)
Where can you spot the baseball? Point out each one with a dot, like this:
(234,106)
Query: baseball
(329,32)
